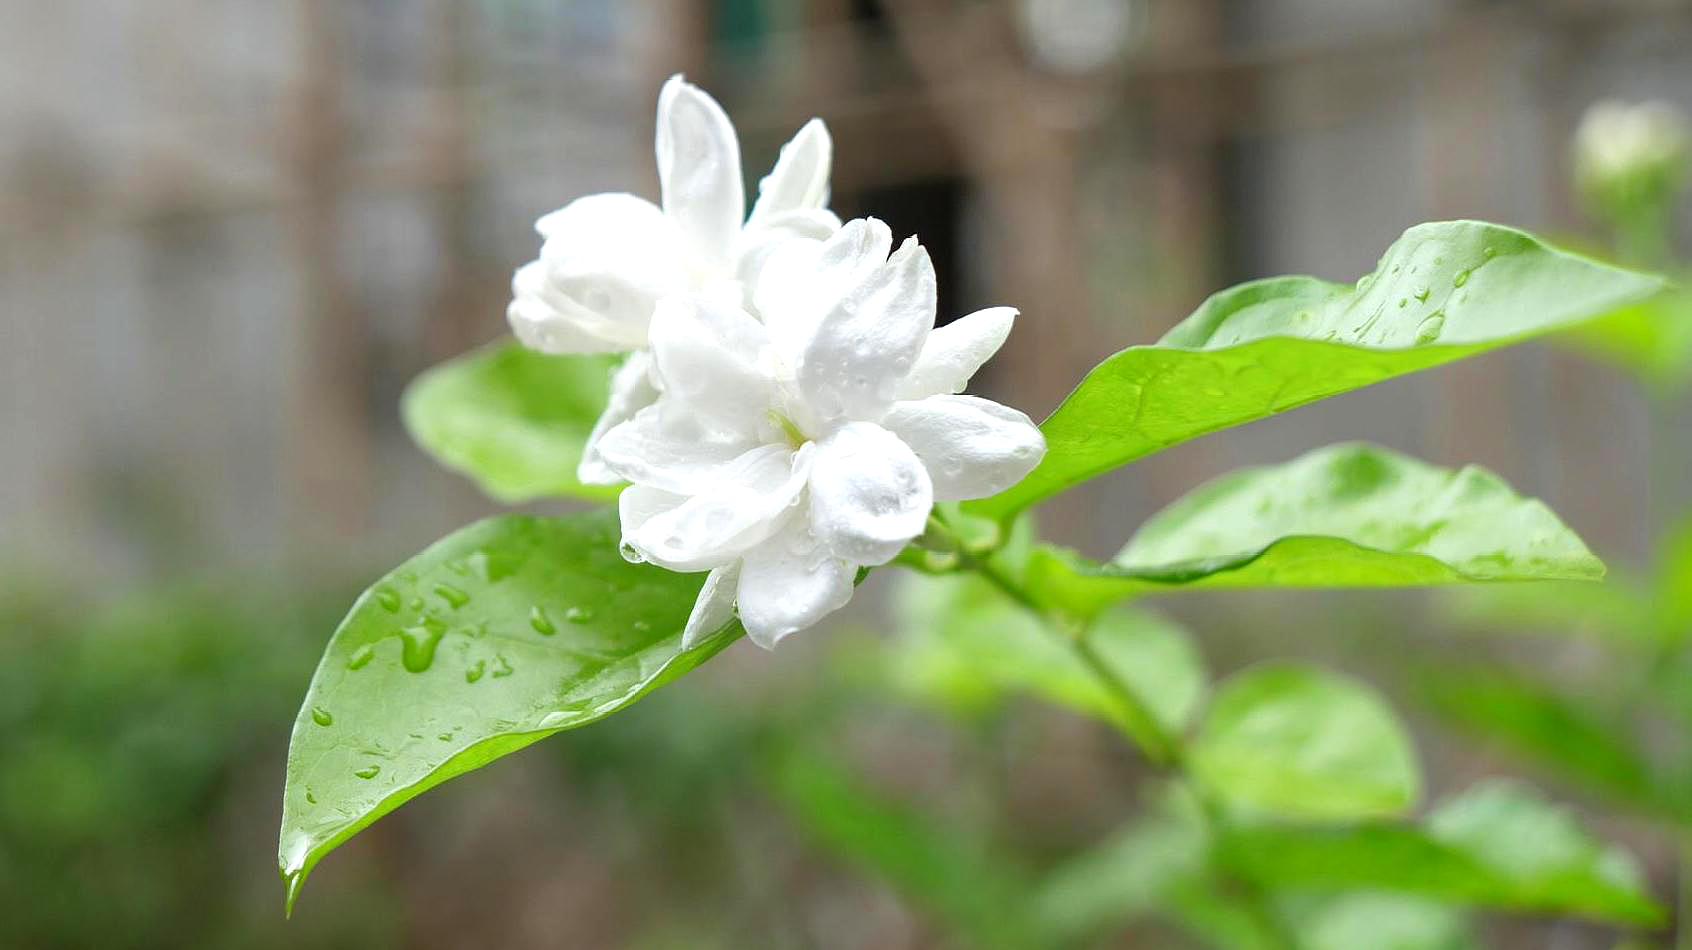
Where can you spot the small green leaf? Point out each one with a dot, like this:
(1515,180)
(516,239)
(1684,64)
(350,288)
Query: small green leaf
(511,419)
(1546,860)
(1347,515)
(1576,740)
(967,644)
(1383,921)
(1442,292)
(493,638)
(1496,846)
(1133,873)
(1304,743)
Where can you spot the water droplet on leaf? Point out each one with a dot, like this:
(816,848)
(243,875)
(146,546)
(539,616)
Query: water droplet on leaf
(474,671)
(454,597)
(361,656)
(418,646)
(1430,328)
(389,600)
(321,716)
(541,622)
(579,614)
(368,772)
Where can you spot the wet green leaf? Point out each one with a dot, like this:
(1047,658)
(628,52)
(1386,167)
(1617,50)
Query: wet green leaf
(1307,744)
(512,420)
(493,638)
(1442,292)
(1347,515)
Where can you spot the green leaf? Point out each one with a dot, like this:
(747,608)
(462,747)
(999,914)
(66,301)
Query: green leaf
(1573,739)
(1543,857)
(1133,873)
(966,644)
(953,875)
(495,637)
(1651,339)
(1347,515)
(1384,922)
(1496,846)
(512,420)
(1304,743)
(1442,292)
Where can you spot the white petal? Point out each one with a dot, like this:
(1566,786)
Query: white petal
(631,391)
(760,241)
(699,169)
(665,446)
(715,605)
(955,351)
(788,584)
(870,495)
(639,504)
(866,344)
(799,180)
(706,356)
(606,261)
(971,447)
(744,503)
(802,280)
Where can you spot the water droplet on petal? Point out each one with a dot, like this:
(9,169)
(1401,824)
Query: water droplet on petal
(321,716)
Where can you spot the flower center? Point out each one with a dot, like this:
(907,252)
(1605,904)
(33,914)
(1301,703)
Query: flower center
(795,438)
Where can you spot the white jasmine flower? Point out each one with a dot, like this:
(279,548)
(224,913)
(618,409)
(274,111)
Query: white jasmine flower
(786,453)
(1622,145)
(607,259)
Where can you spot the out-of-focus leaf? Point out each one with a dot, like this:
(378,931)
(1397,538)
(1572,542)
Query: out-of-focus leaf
(511,419)
(956,877)
(1617,611)
(1304,743)
(1570,738)
(493,638)
(1442,292)
(965,643)
(1132,874)
(1674,585)
(1381,921)
(1342,516)
(1651,339)
(1548,861)
(1496,846)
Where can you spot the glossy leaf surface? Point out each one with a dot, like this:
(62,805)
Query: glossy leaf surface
(1346,515)
(1442,292)
(512,420)
(495,637)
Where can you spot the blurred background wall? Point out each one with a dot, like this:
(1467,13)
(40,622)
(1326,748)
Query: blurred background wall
(231,232)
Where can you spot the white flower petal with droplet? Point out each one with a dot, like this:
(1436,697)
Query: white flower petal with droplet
(870,495)
(971,447)
(813,387)
(952,353)
(790,584)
